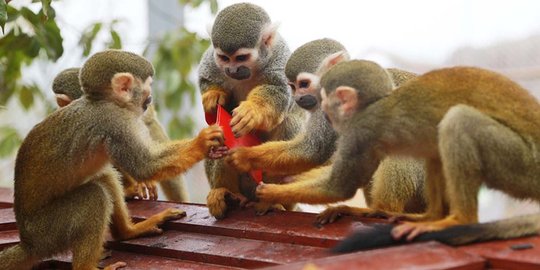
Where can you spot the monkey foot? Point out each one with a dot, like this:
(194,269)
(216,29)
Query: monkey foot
(219,199)
(331,214)
(115,266)
(413,229)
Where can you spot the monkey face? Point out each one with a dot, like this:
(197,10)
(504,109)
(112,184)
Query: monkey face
(306,90)
(237,66)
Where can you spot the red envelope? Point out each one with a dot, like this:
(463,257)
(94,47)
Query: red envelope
(223,119)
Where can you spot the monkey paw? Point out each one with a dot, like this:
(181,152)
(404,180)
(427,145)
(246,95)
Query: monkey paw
(115,266)
(242,160)
(219,199)
(210,137)
(268,193)
(246,117)
(331,214)
(213,97)
(262,209)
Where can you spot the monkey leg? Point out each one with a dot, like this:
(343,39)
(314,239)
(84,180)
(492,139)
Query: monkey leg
(488,152)
(224,188)
(174,189)
(78,221)
(398,186)
(122,227)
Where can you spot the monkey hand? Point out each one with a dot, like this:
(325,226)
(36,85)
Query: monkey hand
(208,138)
(212,97)
(244,159)
(219,199)
(250,115)
(270,193)
(141,190)
(262,208)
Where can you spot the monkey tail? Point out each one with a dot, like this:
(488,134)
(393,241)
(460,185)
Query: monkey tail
(17,257)
(379,235)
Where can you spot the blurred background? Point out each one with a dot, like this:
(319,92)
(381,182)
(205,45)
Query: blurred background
(41,38)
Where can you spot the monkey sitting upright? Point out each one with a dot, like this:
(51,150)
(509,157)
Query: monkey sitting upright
(66,190)
(67,88)
(396,187)
(243,71)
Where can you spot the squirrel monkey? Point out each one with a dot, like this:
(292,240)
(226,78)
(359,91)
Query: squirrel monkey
(243,72)
(472,126)
(67,192)
(67,88)
(398,184)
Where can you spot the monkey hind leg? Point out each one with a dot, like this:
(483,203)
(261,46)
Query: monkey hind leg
(76,221)
(17,257)
(174,189)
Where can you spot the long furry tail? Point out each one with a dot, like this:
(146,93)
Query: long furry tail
(379,235)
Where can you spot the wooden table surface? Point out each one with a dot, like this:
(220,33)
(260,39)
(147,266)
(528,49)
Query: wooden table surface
(278,240)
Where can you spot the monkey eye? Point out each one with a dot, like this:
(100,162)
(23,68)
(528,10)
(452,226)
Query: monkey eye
(242,57)
(223,58)
(303,84)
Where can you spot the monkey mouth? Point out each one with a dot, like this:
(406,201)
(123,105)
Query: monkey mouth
(307,102)
(147,103)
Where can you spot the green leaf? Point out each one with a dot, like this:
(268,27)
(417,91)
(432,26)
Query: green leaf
(213,6)
(3,14)
(26,97)
(46,8)
(10,141)
(116,42)
(87,38)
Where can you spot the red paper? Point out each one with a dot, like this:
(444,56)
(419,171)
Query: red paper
(223,119)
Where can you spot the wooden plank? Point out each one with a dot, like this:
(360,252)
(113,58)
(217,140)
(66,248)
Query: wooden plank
(8,238)
(430,255)
(7,219)
(503,254)
(6,197)
(134,261)
(286,227)
(221,250)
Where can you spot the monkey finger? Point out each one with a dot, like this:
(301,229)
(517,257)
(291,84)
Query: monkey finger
(152,191)
(401,230)
(243,127)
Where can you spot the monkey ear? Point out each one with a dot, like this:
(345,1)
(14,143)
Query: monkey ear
(122,84)
(62,100)
(348,99)
(331,61)
(269,33)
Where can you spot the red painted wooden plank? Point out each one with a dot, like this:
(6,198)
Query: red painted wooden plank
(135,261)
(222,250)
(6,197)
(8,238)
(430,255)
(501,255)
(7,219)
(287,227)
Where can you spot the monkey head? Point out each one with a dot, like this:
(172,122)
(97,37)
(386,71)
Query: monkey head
(242,37)
(66,86)
(350,87)
(304,67)
(120,76)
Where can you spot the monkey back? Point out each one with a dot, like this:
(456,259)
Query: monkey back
(238,26)
(99,69)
